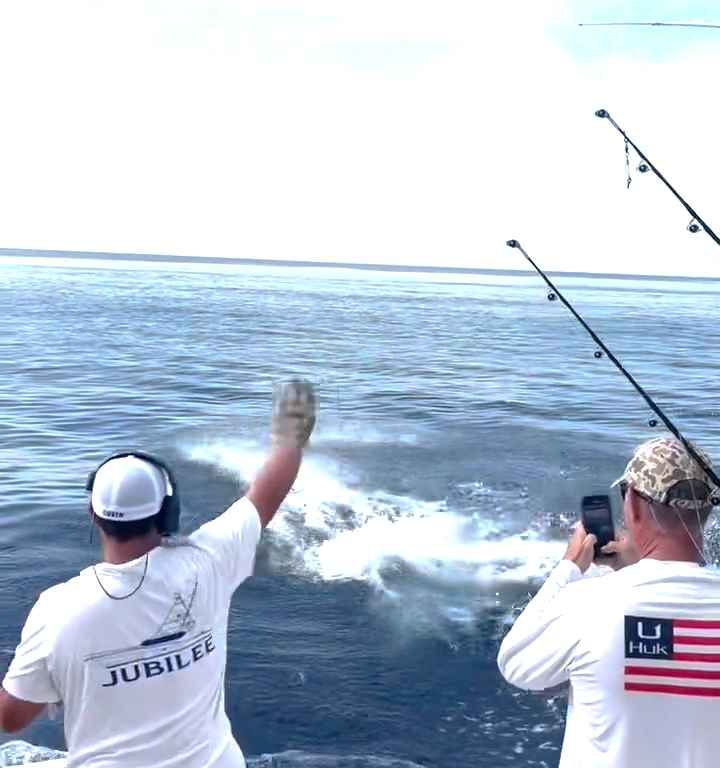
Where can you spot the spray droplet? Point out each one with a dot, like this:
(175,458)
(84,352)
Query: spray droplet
(551,297)
(653,423)
(598,354)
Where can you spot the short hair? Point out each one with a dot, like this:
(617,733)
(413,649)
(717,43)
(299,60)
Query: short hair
(127,530)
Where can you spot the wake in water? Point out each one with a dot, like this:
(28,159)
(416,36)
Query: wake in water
(454,556)
(23,753)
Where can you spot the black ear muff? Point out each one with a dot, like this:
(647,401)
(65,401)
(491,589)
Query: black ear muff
(169,512)
(169,517)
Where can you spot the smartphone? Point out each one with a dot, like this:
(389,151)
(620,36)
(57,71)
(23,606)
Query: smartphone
(596,516)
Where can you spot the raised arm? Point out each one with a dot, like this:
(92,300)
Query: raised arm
(293,420)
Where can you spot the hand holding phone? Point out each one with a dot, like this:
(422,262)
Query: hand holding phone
(581,549)
(596,517)
(621,552)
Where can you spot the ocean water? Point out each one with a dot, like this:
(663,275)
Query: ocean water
(461,419)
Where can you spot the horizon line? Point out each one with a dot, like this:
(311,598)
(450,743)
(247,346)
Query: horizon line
(229,260)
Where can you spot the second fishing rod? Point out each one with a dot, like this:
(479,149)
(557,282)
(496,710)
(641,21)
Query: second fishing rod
(557,294)
(646,165)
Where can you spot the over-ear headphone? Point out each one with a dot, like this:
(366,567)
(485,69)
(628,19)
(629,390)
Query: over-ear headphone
(169,512)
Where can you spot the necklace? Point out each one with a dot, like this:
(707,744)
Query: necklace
(130,594)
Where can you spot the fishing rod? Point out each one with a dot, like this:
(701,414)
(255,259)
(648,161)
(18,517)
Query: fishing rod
(648,24)
(556,294)
(696,223)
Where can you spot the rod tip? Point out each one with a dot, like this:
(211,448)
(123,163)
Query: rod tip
(602,113)
(512,243)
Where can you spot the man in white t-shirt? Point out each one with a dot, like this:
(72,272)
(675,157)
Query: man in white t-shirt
(640,646)
(135,647)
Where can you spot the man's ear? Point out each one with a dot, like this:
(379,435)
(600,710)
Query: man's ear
(635,508)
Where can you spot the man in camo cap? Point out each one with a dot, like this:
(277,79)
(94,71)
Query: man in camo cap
(640,646)
(662,471)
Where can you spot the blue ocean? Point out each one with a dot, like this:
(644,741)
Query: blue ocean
(462,417)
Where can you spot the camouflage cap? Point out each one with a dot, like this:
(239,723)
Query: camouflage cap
(657,467)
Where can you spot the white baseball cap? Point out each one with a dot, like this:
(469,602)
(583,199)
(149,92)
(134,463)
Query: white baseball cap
(129,488)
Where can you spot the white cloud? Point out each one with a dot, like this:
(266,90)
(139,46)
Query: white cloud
(395,131)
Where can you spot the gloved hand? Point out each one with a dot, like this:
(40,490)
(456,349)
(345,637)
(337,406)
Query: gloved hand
(293,416)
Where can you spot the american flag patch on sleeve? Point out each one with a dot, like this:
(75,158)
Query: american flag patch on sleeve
(672,656)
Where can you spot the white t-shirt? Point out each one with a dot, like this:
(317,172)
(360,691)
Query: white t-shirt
(641,650)
(142,679)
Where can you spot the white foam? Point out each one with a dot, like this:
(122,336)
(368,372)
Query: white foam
(337,529)
(342,432)
(438,545)
(22,753)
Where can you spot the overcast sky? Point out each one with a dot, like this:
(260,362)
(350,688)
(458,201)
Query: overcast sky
(388,131)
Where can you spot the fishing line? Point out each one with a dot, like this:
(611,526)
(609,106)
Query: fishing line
(648,24)
(556,294)
(696,222)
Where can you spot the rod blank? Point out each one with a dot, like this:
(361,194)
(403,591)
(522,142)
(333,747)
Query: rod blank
(648,399)
(648,24)
(603,113)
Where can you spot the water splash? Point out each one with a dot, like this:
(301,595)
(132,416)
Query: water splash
(334,528)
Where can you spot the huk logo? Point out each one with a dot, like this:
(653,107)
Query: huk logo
(654,635)
(647,638)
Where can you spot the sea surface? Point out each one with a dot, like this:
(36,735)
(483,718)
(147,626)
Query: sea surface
(462,417)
